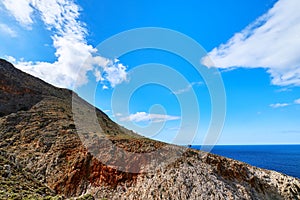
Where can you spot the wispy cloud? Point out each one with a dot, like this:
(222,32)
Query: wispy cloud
(284,89)
(291,132)
(176,128)
(297,101)
(144,117)
(7,30)
(187,88)
(73,53)
(118,114)
(22,11)
(279,105)
(271,42)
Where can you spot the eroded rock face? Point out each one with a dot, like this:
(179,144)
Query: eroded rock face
(15,183)
(45,141)
(19,91)
(199,175)
(37,127)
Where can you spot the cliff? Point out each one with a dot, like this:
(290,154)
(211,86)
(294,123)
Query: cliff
(42,149)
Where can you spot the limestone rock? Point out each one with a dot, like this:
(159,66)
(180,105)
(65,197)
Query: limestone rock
(44,152)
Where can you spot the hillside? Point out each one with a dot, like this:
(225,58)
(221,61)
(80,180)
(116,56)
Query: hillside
(42,148)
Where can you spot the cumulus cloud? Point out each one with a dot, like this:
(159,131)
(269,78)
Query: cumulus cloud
(271,42)
(145,117)
(74,56)
(115,73)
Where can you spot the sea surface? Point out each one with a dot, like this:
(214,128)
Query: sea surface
(281,158)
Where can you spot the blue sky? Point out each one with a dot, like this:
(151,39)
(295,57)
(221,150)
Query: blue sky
(253,45)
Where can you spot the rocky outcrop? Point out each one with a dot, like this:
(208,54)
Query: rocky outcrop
(45,142)
(41,142)
(200,175)
(19,91)
(17,183)
(44,138)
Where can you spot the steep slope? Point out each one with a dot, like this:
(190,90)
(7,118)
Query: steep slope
(37,127)
(16,183)
(205,176)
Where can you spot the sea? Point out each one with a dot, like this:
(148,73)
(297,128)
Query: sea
(280,158)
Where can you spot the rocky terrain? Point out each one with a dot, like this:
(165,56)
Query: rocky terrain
(52,148)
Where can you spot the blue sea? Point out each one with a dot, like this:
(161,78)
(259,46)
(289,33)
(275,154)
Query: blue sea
(281,158)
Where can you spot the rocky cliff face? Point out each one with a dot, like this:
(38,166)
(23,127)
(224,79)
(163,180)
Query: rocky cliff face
(41,149)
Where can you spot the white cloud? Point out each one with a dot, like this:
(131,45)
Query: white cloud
(104,87)
(279,105)
(98,75)
(7,30)
(74,56)
(284,89)
(144,117)
(118,114)
(297,101)
(187,88)
(11,59)
(271,42)
(115,73)
(21,10)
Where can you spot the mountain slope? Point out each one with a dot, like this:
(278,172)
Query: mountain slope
(16,183)
(37,126)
